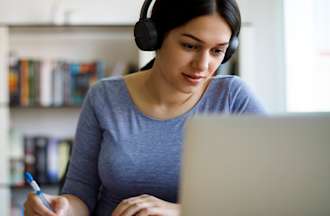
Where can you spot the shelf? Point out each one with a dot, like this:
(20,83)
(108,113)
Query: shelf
(72,28)
(23,187)
(45,107)
(43,25)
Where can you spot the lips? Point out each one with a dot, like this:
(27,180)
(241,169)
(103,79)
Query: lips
(193,78)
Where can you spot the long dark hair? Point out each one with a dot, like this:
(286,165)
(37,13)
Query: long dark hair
(170,14)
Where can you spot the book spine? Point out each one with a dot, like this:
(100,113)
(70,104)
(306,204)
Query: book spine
(14,83)
(46,83)
(52,160)
(29,155)
(41,145)
(24,82)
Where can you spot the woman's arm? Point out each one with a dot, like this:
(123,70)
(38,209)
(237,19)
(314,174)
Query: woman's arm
(81,186)
(82,180)
(76,206)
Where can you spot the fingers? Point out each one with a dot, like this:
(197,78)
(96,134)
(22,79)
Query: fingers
(34,207)
(133,208)
(150,211)
(133,205)
(60,205)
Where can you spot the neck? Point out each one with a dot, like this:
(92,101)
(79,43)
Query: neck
(160,92)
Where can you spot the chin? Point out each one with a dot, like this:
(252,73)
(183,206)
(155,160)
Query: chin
(191,89)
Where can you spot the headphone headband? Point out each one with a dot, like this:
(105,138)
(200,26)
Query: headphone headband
(144,9)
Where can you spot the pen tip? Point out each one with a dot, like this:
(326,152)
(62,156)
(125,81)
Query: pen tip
(28,177)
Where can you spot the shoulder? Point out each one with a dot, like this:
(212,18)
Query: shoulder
(99,93)
(231,84)
(240,96)
(229,81)
(103,86)
(224,84)
(109,82)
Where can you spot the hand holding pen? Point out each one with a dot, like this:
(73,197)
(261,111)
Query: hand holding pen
(38,203)
(37,190)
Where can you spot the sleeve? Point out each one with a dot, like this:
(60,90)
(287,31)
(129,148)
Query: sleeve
(242,100)
(82,179)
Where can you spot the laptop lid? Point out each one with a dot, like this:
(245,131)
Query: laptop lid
(250,165)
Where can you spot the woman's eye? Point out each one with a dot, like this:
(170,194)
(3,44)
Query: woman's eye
(188,46)
(218,52)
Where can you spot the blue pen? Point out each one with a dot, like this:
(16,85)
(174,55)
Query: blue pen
(37,190)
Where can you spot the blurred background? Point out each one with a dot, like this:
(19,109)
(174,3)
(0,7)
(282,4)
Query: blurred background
(51,51)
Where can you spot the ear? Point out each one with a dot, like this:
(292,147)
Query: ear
(233,46)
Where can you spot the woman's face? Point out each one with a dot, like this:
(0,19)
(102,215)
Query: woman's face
(191,53)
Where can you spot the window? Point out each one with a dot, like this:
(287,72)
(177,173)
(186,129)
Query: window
(307,38)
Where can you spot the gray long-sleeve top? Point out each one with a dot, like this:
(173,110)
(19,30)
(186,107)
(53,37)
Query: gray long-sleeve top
(119,152)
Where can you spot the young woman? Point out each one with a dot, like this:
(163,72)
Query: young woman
(126,156)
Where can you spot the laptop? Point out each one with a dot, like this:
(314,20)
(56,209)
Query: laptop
(256,166)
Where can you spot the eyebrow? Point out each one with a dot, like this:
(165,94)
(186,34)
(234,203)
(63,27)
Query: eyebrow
(201,41)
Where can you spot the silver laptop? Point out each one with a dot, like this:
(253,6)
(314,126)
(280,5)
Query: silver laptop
(256,166)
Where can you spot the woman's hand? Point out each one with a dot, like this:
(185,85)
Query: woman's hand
(34,207)
(146,205)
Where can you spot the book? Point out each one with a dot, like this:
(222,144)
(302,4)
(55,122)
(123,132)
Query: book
(65,147)
(34,82)
(29,155)
(45,84)
(13,82)
(52,160)
(24,82)
(41,145)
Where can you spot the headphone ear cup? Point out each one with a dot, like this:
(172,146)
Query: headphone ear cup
(233,46)
(145,33)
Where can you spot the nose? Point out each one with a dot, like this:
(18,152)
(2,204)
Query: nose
(201,61)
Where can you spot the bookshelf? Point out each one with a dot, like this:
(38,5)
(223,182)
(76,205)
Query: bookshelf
(113,45)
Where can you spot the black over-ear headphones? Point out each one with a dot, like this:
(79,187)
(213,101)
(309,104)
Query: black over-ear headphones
(146,37)
(145,32)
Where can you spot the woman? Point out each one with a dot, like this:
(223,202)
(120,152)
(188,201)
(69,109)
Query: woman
(126,157)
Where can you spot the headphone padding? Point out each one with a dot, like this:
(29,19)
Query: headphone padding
(233,46)
(145,34)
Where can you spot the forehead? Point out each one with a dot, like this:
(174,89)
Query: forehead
(210,28)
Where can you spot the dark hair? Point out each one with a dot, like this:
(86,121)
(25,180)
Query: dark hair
(170,14)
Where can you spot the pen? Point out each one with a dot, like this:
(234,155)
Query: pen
(37,190)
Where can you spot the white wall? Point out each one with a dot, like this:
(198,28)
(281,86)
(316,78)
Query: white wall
(307,31)
(3,106)
(4,171)
(4,191)
(266,18)
(3,65)
(77,11)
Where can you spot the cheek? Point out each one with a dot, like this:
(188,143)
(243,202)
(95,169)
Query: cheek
(176,59)
(214,66)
